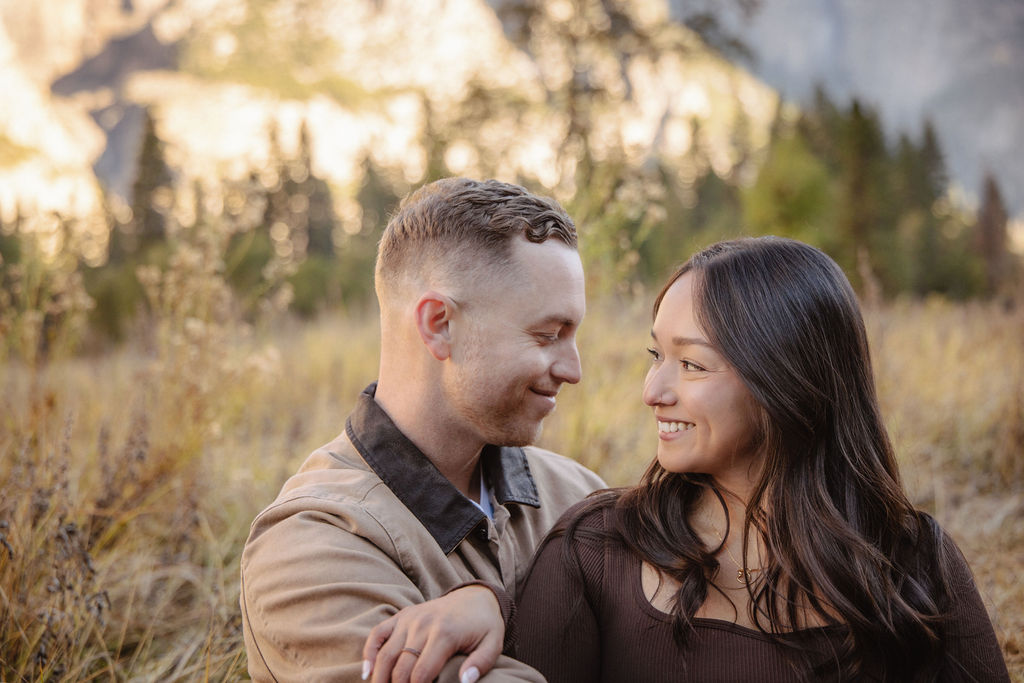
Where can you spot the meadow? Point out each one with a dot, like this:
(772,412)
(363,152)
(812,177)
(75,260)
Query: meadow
(129,477)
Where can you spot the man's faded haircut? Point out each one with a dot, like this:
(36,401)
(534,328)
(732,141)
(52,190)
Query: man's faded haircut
(460,226)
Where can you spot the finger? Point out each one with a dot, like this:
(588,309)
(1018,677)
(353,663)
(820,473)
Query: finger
(438,649)
(407,658)
(481,660)
(378,636)
(388,657)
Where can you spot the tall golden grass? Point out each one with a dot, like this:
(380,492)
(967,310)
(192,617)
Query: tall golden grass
(129,478)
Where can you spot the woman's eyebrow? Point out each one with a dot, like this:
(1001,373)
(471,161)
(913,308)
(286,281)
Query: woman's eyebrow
(686,341)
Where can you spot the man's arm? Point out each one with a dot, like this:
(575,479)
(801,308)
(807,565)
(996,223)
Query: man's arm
(314,584)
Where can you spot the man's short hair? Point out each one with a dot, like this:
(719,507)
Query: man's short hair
(458,226)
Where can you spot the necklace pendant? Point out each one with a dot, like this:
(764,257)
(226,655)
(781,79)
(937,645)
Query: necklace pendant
(744,575)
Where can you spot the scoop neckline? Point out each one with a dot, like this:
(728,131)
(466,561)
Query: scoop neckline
(636,583)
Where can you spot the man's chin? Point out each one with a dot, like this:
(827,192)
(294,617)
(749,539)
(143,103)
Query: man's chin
(519,438)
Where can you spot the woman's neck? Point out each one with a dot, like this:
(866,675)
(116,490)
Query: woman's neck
(719,519)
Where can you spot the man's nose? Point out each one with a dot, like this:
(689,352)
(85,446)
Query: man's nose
(567,367)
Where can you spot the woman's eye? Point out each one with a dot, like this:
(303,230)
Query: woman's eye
(655,356)
(693,367)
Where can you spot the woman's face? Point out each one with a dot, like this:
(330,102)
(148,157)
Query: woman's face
(707,419)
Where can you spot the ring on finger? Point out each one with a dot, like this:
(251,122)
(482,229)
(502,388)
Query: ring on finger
(413,651)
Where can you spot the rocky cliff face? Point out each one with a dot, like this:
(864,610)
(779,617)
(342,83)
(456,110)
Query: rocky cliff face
(219,76)
(74,74)
(62,64)
(958,62)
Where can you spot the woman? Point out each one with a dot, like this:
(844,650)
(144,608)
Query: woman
(771,539)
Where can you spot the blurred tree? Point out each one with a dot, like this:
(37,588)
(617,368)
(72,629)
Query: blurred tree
(584,52)
(300,204)
(820,125)
(43,304)
(151,199)
(584,49)
(793,195)
(379,193)
(294,240)
(140,240)
(436,139)
(920,182)
(10,240)
(697,206)
(321,222)
(250,248)
(862,202)
(991,235)
(931,245)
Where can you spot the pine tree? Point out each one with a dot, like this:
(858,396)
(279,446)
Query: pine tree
(991,235)
(793,194)
(320,217)
(919,183)
(862,182)
(10,241)
(151,193)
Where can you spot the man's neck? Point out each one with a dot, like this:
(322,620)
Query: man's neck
(453,452)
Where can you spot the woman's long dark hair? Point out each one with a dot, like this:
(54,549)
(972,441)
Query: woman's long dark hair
(842,538)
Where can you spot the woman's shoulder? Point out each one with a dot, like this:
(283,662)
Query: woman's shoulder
(592,513)
(934,541)
(933,555)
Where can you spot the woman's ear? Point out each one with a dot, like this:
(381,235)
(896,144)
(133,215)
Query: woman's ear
(433,314)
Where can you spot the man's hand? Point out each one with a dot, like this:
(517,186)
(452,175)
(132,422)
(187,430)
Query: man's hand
(415,644)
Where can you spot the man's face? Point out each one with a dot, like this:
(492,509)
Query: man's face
(515,344)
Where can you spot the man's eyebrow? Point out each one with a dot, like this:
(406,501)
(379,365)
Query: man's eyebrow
(556,319)
(686,341)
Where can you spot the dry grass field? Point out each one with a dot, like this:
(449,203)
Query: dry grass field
(128,478)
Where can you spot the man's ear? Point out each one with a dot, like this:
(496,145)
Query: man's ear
(433,314)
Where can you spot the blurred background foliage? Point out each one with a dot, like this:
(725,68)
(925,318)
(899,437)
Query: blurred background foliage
(827,173)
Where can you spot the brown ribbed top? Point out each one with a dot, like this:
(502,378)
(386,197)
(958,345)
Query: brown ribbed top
(614,634)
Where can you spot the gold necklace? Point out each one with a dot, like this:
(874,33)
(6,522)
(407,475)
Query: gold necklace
(743,575)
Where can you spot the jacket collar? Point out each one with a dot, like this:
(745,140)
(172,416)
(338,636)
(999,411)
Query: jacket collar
(447,514)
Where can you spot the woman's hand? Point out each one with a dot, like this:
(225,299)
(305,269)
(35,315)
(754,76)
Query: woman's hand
(415,644)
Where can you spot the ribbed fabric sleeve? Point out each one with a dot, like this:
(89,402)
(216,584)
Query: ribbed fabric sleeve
(974,653)
(561,637)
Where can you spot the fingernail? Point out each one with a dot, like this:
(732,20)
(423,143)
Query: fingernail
(470,675)
(368,667)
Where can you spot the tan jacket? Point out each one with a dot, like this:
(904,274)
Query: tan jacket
(367,526)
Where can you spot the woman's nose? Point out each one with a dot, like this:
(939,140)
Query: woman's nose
(656,390)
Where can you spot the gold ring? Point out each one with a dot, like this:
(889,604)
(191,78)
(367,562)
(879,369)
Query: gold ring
(413,651)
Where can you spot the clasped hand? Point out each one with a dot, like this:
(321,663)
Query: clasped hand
(414,645)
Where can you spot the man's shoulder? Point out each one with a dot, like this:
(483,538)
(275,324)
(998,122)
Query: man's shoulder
(333,480)
(560,475)
(333,471)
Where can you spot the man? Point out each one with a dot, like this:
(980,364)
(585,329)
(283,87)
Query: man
(432,485)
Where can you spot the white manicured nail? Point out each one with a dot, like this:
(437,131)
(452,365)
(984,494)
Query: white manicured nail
(470,675)
(367,668)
